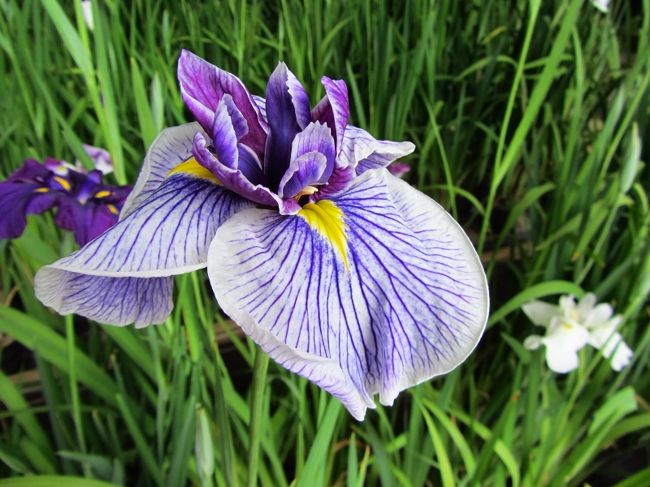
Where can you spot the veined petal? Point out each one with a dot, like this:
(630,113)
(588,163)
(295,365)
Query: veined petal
(203,85)
(363,152)
(304,170)
(334,109)
(171,147)
(378,290)
(167,234)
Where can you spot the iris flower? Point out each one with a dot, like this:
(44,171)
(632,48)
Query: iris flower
(571,326)
(337,269)
(84,205)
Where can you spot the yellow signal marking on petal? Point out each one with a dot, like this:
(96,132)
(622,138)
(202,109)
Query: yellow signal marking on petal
(192,167)
(113,209)
(42,190)
(327,219)
(63,182)
(102,194)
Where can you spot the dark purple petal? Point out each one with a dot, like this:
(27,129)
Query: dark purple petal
(300,99)
(305,170)
(17,200)
(203,85)
(250,165)
(31,172)
(333,109)
(341,179)
(85,221)
(283,123)
(232,179)
(238,121)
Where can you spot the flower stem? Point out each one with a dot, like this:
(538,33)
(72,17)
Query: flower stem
(257,400)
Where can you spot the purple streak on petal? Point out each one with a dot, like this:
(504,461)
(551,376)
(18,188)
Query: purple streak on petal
(333,109)
(281,114)
(363,152)
(261,106)
(238,121)
(224,138)
(398,169)
(100,157)
(202,88)
(112,300)
(19,199)
(340,180)
(232,179)
(305,170)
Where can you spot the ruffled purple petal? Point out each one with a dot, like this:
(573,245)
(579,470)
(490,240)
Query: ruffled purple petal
(363,152)
(315,138)
(334,108)
(233,179)
(86,221)
(224,138)
(305,170)
(31,172)
(203,85)
(399,169)
(341,178)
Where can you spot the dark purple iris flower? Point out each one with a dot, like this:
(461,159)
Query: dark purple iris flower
(84,205)
(339,270)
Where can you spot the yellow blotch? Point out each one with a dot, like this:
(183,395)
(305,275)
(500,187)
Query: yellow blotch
(192,167)
(113,209)
(327,219)
(63,182)
(102,194)
(42,190)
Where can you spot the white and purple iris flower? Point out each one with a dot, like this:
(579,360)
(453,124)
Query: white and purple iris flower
(339,270)
(85,206)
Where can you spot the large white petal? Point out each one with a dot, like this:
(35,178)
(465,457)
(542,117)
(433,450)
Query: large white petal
(411,305)
(172,146)
(540,313)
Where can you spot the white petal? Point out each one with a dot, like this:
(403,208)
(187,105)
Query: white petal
(411,303)
(586,304)
(533,342)
(561,359)
(598,315)
(540,313)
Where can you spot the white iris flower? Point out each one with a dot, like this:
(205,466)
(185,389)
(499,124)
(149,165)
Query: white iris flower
(571,326)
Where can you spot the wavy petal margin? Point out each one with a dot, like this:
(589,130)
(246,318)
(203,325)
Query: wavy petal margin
(411,303)
(122,276)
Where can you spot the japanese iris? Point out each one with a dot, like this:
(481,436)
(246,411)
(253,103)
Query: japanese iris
(339,270)
(85,205)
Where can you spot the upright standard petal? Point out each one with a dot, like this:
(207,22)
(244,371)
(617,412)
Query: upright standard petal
(167,234)
(282,115)
(203,85)
(363,152)
(172,146)
(334,108)
(371,292)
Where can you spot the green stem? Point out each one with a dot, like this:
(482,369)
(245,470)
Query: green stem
(257,401)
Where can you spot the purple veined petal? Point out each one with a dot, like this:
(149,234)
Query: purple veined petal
(167,234)
(283,123)
(202,87)
(363,152)
(100,157)
(172,146)
(233,179)
(224,139)
(261,106)
(305,170)
(19,199)
(334,108)
(316,137)
(410,304)
(237,119)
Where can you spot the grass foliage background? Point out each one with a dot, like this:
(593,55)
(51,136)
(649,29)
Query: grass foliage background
(528,118)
